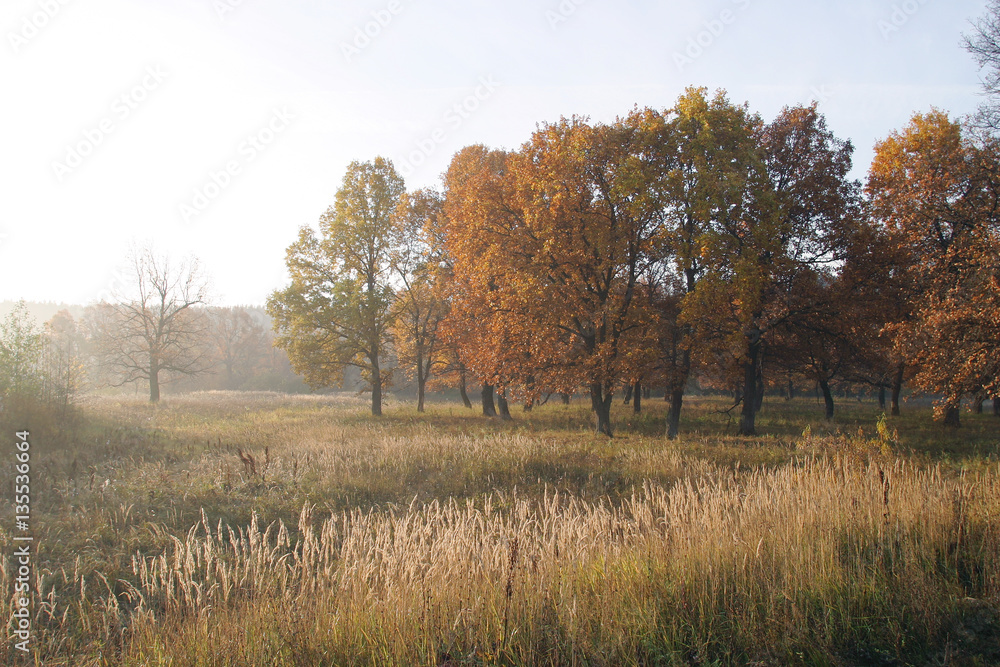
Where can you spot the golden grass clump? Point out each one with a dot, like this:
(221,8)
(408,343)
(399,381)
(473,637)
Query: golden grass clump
(762,566)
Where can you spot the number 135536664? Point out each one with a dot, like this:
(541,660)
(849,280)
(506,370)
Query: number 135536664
(22,481)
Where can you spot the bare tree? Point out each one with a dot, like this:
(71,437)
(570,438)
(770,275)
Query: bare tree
(155,327)
(984,45)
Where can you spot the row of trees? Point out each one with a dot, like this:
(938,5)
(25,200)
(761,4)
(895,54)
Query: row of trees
(698,241)
(157,330)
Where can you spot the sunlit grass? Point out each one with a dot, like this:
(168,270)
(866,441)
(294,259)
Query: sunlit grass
(258,529)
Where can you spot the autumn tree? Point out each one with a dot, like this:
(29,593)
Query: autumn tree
(449,365)
(478,208)
(797,208)
(706,148)
(550,244)
(878,295)
(337,311)
(420,305)
(451,371)
(937,191)
(820,345)
(154,331)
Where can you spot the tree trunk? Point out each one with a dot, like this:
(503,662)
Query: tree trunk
(791,390)
(462,391)
(676,395)
(628,394)
(489,409)
(675,392)
(565,398)
(977,405)
(897,388)
(637,396)
(996,406)
(748,415)
(881,398)
(376,388)
(230,376)
(759,375)
(646,391)
(601,404)
(529,404)
(952,416)
(154,383)
(421,385)
(824,386)
(503,409)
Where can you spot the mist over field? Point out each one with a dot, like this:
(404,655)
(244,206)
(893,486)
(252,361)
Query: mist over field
(578,333)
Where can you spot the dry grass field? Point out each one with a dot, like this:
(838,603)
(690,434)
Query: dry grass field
(263,529)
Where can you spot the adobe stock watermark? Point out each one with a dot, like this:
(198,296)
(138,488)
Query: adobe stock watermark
(452,119)
(21,562)
(224,7)
(822,94)
(219,180)
(33,24)
(556,17)
(712,30)
(899,16)
(365,34)
(114,288)
(123,106)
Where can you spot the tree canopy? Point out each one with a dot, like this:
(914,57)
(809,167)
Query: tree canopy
(697,243)
(336,312)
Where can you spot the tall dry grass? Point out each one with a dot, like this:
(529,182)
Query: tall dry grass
(518,547)
(783,566)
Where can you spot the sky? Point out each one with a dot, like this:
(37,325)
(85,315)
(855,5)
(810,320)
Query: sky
(217,128)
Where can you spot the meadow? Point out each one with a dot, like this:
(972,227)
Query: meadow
(264,529)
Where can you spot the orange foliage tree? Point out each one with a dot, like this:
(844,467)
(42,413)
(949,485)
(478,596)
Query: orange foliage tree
(937,190)
(551,245)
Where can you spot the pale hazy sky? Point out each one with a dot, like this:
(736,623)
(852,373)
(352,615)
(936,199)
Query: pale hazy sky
(219,127)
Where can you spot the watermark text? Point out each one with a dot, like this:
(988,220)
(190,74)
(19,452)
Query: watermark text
(220,179)
(123,106)
(33,24)
(21,559)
